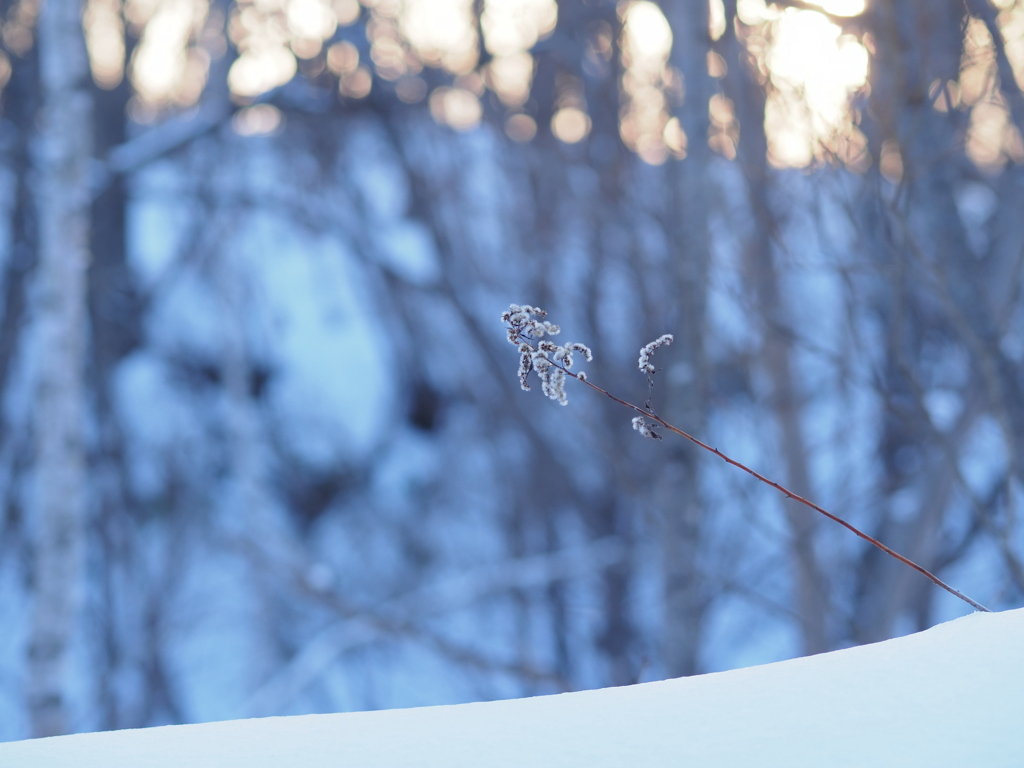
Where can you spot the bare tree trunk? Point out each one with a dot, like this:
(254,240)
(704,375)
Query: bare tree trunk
(932,301)
(759,266)
(59,500)
(684,592)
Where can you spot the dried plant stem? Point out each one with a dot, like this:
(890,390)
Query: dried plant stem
(784,491)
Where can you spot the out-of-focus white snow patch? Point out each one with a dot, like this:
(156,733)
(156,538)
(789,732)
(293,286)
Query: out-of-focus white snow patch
(950,696)
(408,251)
(976,202)
(158,222)
(333,388)
(152,416)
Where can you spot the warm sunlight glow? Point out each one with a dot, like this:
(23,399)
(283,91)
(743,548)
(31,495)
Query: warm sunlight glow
(716,20)
(570,125)
(675,138)
(458,108)
(271,34)
(809,53)
(511,28)
(514,26)
(160,63)
(346,11)
(753,11)
(312,19)
(260,69)
(1011,22)
(257,120)
(814,68)
(520,127)
(342,58)
(891,162)
(356,84)
(442,32)
(104,37)
(992,137)
(646,42)
(724,131)
(841,7)
(5,70)
(648,35)
(510,76)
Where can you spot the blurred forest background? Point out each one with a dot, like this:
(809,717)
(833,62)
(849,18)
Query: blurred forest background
(263,450)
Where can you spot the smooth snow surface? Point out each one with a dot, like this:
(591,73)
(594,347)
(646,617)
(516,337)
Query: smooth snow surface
(951,696)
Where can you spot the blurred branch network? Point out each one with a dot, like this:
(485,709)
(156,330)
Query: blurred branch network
(259,454)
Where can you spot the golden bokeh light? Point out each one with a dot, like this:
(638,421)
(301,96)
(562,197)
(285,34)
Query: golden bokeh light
(346,12)
(514,26)
(648,35)
(458,108)
(261,68)
(841,7)
(813,68)
(356,84)
(753,12)
(992,138)
(520,127)
(411,89)
(311,19)
(716,19)
(257,120)
(1011,22)
(810,66)
(570,125)
(160,65)
(510,76)
(646,44)
(891,162)
(104,36)
(510,29)
(675,138)
(442,32)
(342,58)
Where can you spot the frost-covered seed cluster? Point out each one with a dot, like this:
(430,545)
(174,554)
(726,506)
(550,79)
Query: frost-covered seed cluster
(648,350)
(549,360)
(641,426)
(521,323)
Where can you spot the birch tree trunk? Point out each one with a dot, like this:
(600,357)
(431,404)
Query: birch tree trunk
(682,523)
(61,321)
(763,279)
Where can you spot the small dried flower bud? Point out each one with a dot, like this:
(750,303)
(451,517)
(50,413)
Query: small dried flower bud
(648,350)
(539,329)
(582,375)
(583,349)
(549,360)
(641,426)
(525,366)
(563,357)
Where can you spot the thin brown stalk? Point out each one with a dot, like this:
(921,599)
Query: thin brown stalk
(781,489)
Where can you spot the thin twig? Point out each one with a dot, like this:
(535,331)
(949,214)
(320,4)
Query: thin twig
(649,414)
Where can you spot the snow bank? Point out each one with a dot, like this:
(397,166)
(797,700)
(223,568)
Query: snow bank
(951,696)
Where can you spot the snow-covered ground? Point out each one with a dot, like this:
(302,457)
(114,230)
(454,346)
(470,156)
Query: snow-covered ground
(951,696)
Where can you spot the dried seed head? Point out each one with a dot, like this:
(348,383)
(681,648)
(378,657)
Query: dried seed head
(549,360)
(641,426)
(648,350)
